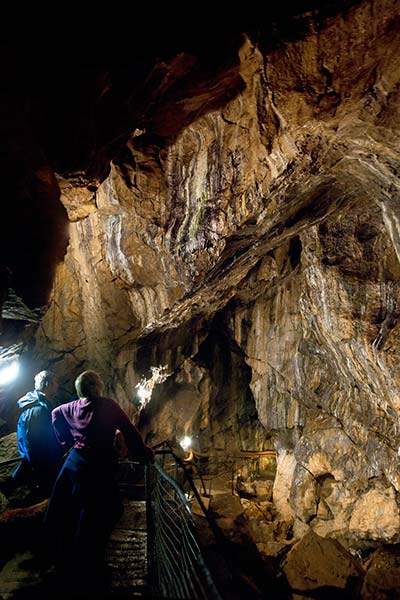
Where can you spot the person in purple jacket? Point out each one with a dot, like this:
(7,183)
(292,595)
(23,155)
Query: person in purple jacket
(85,503)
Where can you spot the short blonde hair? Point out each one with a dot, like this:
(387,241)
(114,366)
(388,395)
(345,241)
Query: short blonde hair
(88,384)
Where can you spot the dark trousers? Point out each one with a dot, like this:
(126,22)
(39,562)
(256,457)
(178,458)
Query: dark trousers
(83,508)
(39,476)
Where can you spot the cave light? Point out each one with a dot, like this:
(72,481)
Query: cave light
(144,388)
(143,394)
(186,442)
(8,372)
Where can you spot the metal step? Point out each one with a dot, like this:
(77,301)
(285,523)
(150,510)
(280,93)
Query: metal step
(126,551)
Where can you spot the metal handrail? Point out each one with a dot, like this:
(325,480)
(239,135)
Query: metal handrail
(176,568)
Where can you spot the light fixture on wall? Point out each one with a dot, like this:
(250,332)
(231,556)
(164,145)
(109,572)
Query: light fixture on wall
(185,443)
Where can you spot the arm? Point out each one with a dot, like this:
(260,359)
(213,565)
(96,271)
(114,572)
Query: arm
(61,429)
(131,434)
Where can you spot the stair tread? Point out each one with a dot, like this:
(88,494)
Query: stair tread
(126,550)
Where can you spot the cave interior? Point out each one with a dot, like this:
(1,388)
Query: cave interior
(209,216)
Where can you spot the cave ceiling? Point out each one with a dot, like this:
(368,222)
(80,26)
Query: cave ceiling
(71,99)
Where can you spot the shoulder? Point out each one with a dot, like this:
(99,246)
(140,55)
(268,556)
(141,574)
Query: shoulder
(66,408)
(105,400)
(108,404)
(38,408)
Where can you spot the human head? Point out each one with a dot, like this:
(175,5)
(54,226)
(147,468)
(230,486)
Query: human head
(89,384)
(46,383)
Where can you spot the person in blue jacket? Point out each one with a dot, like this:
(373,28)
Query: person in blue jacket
(42,455)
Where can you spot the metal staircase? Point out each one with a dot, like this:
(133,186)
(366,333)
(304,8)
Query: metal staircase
(152,551)
(126,553)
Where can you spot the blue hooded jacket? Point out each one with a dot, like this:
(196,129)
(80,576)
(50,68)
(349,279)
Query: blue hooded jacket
(37,442)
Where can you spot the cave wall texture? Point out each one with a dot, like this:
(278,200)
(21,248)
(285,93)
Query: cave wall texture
(246,238)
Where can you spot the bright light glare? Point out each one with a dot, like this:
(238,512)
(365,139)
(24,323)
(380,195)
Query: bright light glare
(186,442)
(142,392)
(9,372)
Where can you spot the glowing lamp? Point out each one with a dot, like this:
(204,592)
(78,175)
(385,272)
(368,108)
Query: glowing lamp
(8,372)
(186,442)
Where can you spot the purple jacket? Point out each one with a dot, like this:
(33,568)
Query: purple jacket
(91,424)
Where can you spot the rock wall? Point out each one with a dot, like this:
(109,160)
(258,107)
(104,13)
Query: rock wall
(255,256)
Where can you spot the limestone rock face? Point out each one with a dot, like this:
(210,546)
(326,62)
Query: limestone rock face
(254,253)
(375,585)
(376,516)
(316,563)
